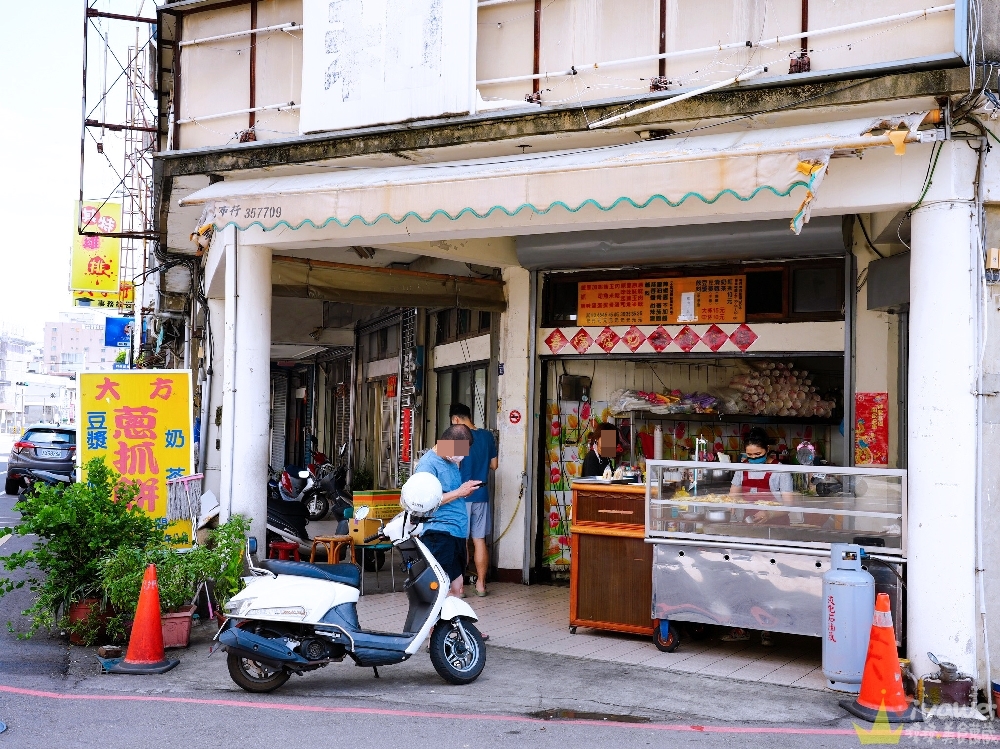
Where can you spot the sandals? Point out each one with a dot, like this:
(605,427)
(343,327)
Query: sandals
(481,594)
(736,634)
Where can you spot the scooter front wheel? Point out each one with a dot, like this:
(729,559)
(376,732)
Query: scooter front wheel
(254,676)
(458,659)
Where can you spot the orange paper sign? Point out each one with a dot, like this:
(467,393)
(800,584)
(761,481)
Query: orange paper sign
(658,301)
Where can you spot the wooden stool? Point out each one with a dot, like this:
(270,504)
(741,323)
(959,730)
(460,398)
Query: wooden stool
(333,545)
(282,549)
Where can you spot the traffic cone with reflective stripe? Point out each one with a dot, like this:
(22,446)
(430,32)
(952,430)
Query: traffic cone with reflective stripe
(882,682)
(145,647)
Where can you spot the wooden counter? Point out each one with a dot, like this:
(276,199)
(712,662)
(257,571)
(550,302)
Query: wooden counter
(611,565)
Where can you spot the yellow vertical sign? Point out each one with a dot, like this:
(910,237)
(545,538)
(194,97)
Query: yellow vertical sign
(140,422)
(96,258)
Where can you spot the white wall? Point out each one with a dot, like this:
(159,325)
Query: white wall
(513,395)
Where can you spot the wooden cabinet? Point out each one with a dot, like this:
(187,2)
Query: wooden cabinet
(611,565)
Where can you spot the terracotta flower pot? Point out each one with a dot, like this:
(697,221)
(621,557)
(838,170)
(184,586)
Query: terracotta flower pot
(177,627)
(81,611)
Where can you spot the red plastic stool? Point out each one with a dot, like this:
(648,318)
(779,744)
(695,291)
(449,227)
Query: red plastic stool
(282,550)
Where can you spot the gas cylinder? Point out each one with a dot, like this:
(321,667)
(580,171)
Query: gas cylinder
(848,610)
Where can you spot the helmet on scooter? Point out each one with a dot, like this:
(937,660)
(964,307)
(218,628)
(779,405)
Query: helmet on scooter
(421,494)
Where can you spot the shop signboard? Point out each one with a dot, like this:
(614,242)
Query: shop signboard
(871,429)
(123,299)
(654,301)
(95,257)
(140,422)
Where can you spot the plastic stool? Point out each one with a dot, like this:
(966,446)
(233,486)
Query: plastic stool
(284,550)
(333,545)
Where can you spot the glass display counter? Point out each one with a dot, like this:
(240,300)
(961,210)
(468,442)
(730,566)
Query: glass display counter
(746,545)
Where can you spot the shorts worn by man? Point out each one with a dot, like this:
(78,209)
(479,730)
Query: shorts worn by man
(446,531)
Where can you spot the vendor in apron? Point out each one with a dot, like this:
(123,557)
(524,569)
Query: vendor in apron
(767,486)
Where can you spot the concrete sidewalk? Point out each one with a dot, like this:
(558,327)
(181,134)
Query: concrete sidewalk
(536,619)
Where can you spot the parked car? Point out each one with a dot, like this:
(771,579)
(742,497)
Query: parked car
(45,447)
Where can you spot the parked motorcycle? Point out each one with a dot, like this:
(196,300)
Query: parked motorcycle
(287,519)
(34,476)
(295,617)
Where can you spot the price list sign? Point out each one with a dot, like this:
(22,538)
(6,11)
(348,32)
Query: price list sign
(662,301)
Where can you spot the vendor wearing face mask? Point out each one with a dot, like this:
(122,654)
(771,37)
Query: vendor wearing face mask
(446,531)
(769,486)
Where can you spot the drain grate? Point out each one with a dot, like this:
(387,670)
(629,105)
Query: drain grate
(557,714)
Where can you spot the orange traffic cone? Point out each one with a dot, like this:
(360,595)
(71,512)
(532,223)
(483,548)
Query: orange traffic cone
(882,683)
(145,647)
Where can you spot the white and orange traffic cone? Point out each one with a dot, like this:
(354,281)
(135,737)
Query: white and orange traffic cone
(145,648)
(882,682)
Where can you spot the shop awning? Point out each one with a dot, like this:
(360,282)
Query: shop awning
(671,170)
(394,287)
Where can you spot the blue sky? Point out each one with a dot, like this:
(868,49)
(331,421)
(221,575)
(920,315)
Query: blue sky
(41,49)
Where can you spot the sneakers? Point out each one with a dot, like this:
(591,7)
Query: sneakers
(736,634)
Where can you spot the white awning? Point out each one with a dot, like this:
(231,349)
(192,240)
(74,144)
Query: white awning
(736,165)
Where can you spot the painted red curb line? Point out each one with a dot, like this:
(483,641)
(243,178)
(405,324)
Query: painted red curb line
(677,727)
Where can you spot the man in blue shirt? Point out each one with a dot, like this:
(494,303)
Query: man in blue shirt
(482,458)
(446,531)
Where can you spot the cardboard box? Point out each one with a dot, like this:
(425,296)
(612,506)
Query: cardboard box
(362,529)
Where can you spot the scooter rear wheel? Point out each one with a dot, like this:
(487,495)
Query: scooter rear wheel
(254,676)
(454,660)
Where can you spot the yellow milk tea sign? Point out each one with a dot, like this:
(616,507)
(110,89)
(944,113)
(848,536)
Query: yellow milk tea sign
(140,422)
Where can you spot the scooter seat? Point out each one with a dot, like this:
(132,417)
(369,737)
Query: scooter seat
(346,573)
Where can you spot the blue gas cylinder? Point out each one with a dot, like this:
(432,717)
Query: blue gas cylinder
(848,609)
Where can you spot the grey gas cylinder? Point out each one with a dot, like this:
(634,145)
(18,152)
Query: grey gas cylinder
(849,606)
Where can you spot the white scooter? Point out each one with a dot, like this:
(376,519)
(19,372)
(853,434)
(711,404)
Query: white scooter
(296,617)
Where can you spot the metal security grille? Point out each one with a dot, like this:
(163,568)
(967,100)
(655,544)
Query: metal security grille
(407,391)
(279,419)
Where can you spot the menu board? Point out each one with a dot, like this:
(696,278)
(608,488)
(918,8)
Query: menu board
(662,301)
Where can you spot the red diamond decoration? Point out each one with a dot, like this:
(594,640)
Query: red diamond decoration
(607,339)
(714,337)
(743,338)
(687,339)
(659,339)
(634,338)
(581,341)
(556,341)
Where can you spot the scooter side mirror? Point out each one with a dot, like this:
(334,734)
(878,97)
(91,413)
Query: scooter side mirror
(360,513)
(303,474)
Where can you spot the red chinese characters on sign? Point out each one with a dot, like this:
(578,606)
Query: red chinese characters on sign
(714,337)
(871,429)
(743,337)
(687,339)
(607,339)
(556,341)
(406,442)
(610,303)
(633,338)
(581,341)
(659,339)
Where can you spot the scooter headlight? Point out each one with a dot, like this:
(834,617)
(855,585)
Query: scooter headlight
(236,608)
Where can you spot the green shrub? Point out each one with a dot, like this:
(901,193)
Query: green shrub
(77,527)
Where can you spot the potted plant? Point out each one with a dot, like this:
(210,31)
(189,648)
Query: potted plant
(179,575)
(76,527)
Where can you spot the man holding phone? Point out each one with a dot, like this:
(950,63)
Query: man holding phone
(482,459)
(446,530)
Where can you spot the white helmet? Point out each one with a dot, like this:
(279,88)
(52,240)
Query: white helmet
(421,494)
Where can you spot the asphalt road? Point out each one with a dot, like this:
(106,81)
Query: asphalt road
(51,695)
